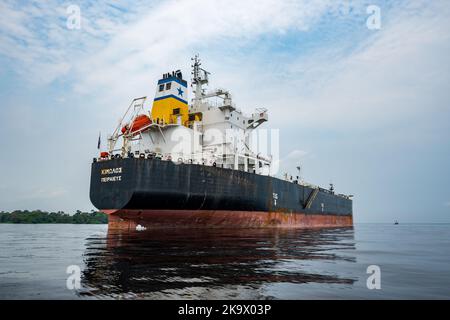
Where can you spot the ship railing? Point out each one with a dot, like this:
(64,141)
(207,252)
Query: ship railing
(306,184)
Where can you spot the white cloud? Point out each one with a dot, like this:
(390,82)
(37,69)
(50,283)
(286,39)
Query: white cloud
(165,38)
(397,73)
(35,37)
(116,57)
(117,53)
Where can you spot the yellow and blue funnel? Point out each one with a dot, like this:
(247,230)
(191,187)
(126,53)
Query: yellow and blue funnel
(170,105)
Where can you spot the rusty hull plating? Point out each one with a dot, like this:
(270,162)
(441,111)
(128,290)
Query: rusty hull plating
(130,219)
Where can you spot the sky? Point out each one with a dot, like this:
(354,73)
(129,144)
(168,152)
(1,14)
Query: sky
(365,108)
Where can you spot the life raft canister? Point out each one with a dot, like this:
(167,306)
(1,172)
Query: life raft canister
(139,122)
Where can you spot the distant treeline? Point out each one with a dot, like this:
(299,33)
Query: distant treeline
(38,216)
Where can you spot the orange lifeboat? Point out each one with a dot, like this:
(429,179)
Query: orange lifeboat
(140,122)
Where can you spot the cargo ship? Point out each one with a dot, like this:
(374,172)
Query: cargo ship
(197,164)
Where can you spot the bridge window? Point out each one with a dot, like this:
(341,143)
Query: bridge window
(168,86)
(161,87)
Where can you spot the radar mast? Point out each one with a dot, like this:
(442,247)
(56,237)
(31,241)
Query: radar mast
(199,78)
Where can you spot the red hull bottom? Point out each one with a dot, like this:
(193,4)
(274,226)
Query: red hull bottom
(129,219)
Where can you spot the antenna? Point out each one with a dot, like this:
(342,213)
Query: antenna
(196,69)
(199,77)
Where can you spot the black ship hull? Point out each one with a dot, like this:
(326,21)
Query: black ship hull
(152,192)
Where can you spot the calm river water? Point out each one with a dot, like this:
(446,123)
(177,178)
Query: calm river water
(414,260)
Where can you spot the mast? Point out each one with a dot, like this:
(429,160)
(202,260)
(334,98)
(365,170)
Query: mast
(199,78)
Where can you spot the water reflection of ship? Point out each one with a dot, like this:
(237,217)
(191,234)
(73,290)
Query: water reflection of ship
(211,263)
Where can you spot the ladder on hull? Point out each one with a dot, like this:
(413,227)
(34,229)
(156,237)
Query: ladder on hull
(311,198)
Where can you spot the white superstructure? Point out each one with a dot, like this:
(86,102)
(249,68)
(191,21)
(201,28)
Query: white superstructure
(210,131)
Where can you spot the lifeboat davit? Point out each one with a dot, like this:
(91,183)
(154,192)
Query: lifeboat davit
(141,121)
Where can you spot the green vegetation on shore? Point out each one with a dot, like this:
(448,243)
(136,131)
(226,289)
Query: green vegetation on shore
(38,216)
